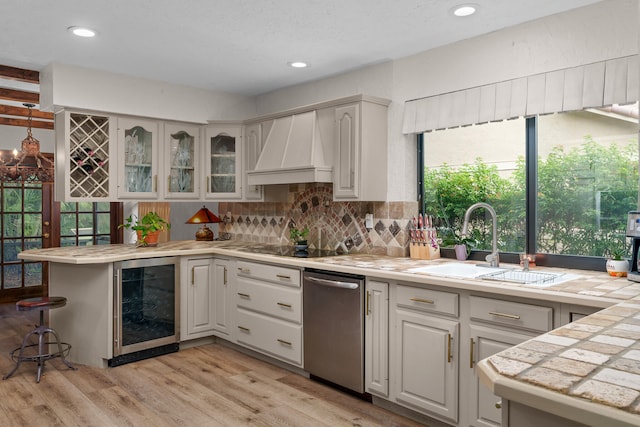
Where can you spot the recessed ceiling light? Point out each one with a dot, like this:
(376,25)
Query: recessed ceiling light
(298,64)
(464,10)
(82,31)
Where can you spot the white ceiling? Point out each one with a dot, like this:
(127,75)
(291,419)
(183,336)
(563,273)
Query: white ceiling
(243,46)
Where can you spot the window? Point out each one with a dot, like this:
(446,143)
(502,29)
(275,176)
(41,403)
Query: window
(87,223)
(570,203)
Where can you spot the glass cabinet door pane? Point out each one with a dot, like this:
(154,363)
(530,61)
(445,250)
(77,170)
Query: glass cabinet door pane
(138,160)
(223,164)
(182,174)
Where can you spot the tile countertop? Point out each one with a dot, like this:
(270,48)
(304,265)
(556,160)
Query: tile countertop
(564,372)
(595,359)
(594,289)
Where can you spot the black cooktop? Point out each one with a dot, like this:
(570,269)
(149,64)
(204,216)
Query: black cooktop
(288,251)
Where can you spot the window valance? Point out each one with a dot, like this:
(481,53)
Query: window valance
(599,84)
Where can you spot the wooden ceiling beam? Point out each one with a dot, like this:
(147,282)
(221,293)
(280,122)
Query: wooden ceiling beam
(25,123)
(19,96)
(19,74)
(8,110)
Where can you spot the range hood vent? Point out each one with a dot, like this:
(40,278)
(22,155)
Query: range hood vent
(293,153)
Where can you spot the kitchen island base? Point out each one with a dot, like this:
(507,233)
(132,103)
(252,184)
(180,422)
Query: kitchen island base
(516,414)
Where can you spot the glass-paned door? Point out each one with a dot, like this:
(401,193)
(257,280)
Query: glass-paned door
(138,143)
(24,224)
(223,166)
(182,160)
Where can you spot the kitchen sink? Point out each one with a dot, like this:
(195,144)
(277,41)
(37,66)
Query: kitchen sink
(457,270)
(541,279)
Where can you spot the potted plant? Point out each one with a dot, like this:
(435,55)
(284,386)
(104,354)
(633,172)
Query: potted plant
(147,228)
(461,245)
(299,237)
(616,265)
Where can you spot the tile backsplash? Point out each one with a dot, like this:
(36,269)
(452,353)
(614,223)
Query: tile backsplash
(329,222)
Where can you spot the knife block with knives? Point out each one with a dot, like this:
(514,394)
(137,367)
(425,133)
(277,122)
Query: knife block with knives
(424,242)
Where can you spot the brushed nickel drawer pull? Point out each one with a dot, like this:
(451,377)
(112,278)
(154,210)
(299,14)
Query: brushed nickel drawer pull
(426,301)
(244,270)
(471,345)
(508,316)
(282,304)
(499,404)
(283,342)
(283,276)
(243,329)
(241,295)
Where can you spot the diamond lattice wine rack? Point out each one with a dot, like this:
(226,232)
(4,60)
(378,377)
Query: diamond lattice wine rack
(89,156)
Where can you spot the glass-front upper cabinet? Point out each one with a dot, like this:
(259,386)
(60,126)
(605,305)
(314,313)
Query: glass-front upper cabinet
(182,161)
(223,161)
(138,158)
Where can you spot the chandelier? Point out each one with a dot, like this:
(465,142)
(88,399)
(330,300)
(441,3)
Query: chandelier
(29,164)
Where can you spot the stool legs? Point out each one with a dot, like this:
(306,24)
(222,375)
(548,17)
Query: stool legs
(42,356)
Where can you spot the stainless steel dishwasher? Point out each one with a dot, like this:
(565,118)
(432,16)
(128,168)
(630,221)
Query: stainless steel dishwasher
(333,324)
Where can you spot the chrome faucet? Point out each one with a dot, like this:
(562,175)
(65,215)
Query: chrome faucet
(494,258)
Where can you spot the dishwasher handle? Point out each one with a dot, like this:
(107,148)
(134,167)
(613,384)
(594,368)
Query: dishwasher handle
(333,283)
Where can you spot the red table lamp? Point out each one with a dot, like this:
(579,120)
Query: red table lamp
(204,216)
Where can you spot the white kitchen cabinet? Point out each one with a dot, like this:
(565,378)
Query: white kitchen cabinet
(269,310)
(424,357)
(182,170)
(207,286)
(138,158)
(224,288)
(495,325)
(198,297)
(376,329)
(253,143)
(85,156)
(360,163)
(223,161)
(485,407)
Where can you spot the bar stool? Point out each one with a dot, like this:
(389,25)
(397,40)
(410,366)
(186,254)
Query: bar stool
(42,304)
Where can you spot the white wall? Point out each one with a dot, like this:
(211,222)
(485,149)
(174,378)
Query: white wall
(70,86)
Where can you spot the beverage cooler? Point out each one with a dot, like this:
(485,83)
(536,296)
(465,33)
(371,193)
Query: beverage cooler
(146,309)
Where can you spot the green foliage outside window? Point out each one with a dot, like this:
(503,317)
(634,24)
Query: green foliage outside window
(583,195)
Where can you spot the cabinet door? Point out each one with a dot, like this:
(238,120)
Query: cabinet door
(200,297)
(223,299)
(138,160)
(425,364)
(182,161)
(376,338)
(85,170)
(484,342)
(223,162)
(347,162)
(252,148)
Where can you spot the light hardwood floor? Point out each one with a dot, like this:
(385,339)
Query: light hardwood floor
(210,385)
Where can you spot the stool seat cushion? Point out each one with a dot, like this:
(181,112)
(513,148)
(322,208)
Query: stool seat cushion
(40,303)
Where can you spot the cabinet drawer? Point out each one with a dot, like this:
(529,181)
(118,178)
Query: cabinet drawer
(274,337)
(512,314)
(270,299)
(427,300)
(271,273)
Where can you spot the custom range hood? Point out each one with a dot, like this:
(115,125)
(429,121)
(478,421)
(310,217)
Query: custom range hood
(293,153)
